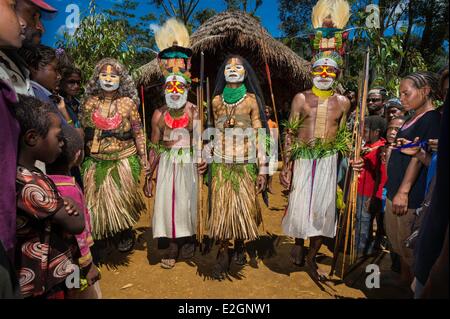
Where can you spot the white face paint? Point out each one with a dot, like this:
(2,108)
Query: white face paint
(176,100)
(109,79)
(234,71)
(108,86)
(176,92)
(323,83)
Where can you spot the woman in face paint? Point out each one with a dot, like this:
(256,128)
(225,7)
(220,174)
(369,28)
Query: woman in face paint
(116,152)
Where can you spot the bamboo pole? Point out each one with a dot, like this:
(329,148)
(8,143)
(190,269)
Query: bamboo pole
(200,206)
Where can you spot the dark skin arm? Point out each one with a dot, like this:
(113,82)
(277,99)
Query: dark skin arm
(153,156)
(69,218)
(92,274)
(400,200)
(286,171)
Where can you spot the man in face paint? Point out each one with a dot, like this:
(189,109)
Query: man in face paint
(175,204)
(310,170)
(176,92)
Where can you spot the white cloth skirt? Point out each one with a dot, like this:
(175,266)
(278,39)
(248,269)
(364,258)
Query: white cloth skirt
(311,208)
(175,210)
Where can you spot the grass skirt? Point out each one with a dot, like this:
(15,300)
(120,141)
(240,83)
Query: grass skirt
(112,195)
(235,212)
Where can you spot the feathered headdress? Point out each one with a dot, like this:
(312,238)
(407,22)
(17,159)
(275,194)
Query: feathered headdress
(174,57)
(329,17)
(332,13)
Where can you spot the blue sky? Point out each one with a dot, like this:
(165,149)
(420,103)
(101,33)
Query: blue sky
(55,22)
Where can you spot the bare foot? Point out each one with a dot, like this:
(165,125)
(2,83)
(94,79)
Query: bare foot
(223,264)
(315,272)
(298,255)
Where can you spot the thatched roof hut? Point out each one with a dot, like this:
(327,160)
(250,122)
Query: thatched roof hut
(235,32)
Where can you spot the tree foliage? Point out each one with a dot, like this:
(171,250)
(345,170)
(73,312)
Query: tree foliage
(98,37)
(410,37)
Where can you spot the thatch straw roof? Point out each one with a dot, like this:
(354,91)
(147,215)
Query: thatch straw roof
(235,32)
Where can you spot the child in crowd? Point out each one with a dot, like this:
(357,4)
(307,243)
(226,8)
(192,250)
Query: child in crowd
(70,88)
(394,126)
(393,109)
(370,185)
(72,155)
(45,77)
(43,258)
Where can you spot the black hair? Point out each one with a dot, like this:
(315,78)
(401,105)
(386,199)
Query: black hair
(68,71)
(422,79)
(72,144)
(394,103)
(382,90)
(376,122)
(403,118)
(38,56)
(251,83)
(33,114)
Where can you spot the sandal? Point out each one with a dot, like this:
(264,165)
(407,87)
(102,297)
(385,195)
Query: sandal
(169,261)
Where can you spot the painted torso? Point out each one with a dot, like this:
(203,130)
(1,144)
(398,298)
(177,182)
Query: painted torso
(177,133)
(246,115)
(310,129)
(113,117)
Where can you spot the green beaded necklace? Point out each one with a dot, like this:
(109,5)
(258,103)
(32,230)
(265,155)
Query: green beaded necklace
(232,95)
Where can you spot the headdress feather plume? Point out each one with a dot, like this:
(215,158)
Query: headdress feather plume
(173,31)
(337,10)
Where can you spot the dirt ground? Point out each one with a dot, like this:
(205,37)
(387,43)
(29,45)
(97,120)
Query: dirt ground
(268,274)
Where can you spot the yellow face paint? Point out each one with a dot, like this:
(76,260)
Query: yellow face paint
(110,76)
(175,87)
(324,71)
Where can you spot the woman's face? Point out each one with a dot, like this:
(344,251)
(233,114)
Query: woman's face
(411,97)
(109,78)
(12,29)
(72,85)
(234,71)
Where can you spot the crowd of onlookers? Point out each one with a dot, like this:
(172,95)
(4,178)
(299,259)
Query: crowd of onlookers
(45,232)
(44,223)
(398,178)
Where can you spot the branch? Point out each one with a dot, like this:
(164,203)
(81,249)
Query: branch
(390,15)
(166,9)
(173,8)
(181,7)
(193,8)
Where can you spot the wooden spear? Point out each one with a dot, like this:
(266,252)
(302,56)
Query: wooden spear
(359,130)
(200,210)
